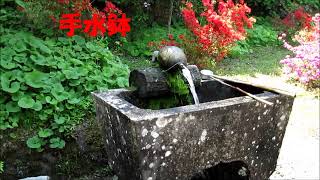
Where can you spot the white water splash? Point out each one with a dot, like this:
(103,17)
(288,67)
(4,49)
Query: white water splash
(186,73)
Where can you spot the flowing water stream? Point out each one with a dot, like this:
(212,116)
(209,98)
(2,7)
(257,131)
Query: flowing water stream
(186,73)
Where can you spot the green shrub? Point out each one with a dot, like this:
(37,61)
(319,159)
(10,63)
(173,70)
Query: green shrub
(139,45)
(262,34)
(46,84)
(280,7)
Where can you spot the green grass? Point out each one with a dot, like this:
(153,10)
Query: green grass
(138,62)
(263,60)
(259,53)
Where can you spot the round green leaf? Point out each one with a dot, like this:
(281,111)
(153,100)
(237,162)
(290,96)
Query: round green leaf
(74,100)
(16,96)
(20,76)
(75,82)
(12,107)
(8,51)
(61,129)
(14,87)
(14,120)
(6,62)
(59,120)
(51,100)
(37,106)
(7,84)
(57,143)
(39,59)
(71,73)
(79,40)
(21,57)
(26,102)
(45,133)
(36,79)
(75,61)
(59,93)
(34,142)
(45,49)
(37,43)
(74,97)
(20,46)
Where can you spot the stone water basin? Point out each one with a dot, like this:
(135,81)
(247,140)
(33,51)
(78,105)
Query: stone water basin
(180,142)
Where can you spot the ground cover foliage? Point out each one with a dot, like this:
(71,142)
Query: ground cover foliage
(46,81)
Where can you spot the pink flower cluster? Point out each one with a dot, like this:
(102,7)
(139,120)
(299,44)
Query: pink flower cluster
(304,66)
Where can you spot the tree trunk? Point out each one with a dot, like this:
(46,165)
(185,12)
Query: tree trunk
(161,11)
(170,16)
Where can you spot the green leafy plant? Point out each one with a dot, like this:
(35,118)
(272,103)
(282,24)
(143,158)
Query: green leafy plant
(1,167)
(180,94)
(44,133)
(35,142)
(57,143)
(46,84)
(262,34)
(177,84)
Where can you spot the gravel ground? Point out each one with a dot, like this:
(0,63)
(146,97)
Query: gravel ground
(299,154)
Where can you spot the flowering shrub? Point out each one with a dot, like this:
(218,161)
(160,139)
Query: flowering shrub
(298,19)
(225,25)
(305,65)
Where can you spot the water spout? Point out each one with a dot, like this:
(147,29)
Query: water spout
(186,73)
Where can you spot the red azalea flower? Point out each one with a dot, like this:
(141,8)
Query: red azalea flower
(207,3)
(299,13)
(189,5)
(181,36)
(225,25)
(150,44)
(111,8)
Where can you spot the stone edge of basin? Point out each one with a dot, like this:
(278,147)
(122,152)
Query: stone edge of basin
(134,113)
